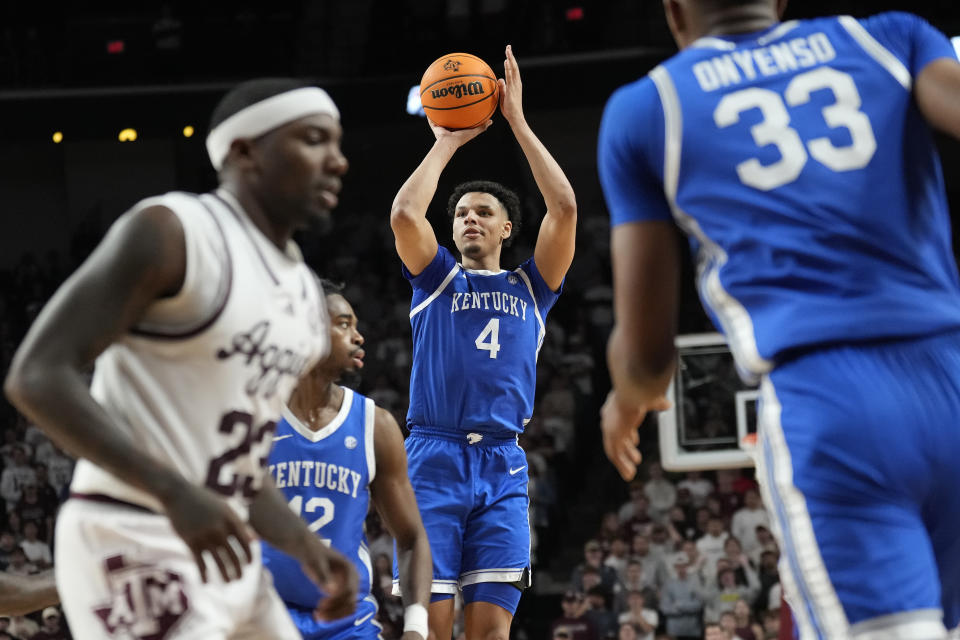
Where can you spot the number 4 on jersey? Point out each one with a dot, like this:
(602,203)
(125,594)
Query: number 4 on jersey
(493,330)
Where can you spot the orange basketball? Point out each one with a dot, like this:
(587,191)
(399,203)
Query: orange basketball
(459,91)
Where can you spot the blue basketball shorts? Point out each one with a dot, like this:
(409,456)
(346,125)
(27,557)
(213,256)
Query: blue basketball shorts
(859,462)
(473,501)
(362,625)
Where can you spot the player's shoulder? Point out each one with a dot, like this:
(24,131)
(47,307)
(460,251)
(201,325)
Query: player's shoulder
(894,30)
(176,201)
(638,94)
(896,21)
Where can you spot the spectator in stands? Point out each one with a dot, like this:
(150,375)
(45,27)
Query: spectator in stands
(45,491)
(598,611)
(628,508)
(722,595)
(383,574)
(32,508)
(681,602)
(610,530)
(746,627)
(716,507)
(640,522)
(653,569)
(8,542)
(52,628)
(739,561)
(660,492)
(690,555)
(629,632)
(729,490)
(698,486)
(747,519)
(765,542)
(15,476)
(11,441)
(713,631)
(729,625)
(679,526)
(18,563)
(59,468)
(633,579)
(771,625)
(573,622)
(685,502)
(618,558)
(768,575)
(36,550)
(661,545)
(701,520)
(711,544)
(593,559)
(640,616)
(22,627)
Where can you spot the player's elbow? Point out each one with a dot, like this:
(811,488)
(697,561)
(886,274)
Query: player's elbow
(566,205)
(402,217)
(21,384)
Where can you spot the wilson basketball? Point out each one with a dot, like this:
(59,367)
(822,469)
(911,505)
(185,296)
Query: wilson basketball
(459,91)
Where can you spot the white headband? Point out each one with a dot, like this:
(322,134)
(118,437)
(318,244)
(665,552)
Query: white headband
(266,115)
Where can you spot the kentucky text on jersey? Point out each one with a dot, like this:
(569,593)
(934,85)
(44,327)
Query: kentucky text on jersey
(503,302)
(739,66)
(313,473)
(476,337)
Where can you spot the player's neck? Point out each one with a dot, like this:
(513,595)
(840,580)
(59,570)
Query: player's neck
(489,262)
(275,231)
(747,19)
(316,399)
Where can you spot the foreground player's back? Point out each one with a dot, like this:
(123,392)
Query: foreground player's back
(808,181)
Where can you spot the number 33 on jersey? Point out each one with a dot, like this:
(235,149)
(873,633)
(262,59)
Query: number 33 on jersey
(478,334)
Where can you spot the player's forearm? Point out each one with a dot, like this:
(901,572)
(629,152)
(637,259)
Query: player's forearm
(551,180)
(413,198)
(56,398)
(20,595)
(276,523)
(415,567)
(639,375)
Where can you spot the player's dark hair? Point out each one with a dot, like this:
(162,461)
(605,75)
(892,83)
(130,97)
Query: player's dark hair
(251,92)
(329,287)
(507,198)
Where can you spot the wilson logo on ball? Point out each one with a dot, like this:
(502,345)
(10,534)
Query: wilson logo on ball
(459,90)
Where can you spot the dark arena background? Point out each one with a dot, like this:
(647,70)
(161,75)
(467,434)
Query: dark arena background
(104,103)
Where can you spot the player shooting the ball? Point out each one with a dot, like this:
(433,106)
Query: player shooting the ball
(476,333)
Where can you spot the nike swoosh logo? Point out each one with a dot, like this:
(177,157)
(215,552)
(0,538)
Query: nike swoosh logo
(514,472)
(289,435)
(360,621)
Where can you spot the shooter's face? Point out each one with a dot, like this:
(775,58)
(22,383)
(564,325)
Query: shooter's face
(480,224)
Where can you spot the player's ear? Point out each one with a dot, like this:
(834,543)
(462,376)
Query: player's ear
(676,20)
(241,154)
(507,230)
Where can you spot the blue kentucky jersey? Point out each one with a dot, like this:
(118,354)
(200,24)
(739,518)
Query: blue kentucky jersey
(805,176)
(476,336)
(324,476)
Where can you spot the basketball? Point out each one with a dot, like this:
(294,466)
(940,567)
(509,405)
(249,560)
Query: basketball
(459,91)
